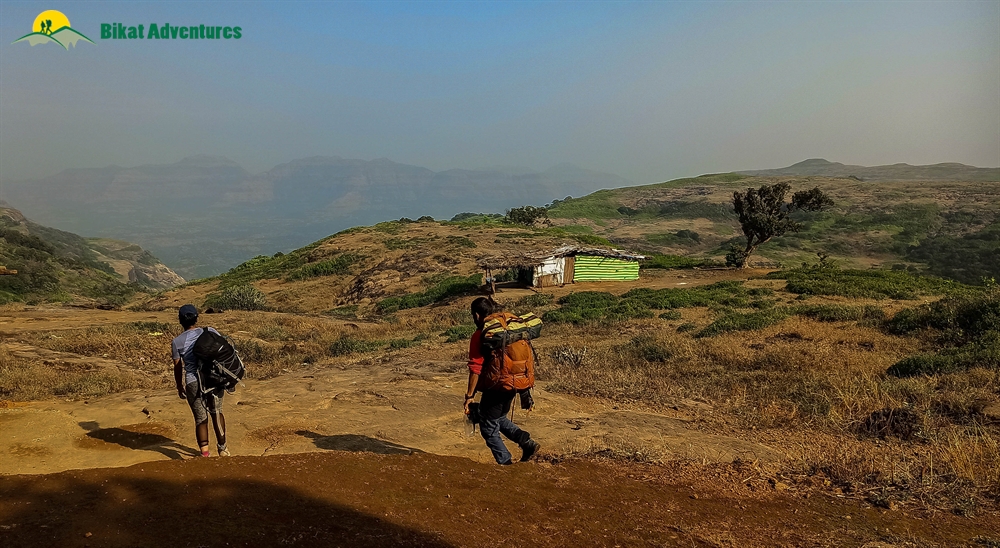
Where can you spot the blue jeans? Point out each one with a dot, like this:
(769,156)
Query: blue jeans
(493,409)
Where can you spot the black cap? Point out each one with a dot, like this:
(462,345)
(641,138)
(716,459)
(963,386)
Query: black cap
(187,313)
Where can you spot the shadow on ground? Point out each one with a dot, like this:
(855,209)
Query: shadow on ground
(138,437)
(146,507)
(357,443)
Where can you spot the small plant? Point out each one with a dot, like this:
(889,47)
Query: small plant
(448,287)
(737,321)
(569,356)
(687,326)
(671,315)
(347,345)
(457,333)
(238,297)
(535,300)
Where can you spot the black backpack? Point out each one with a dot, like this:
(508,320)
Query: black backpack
(219,366)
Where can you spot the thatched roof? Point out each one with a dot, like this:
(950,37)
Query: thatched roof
(531,260)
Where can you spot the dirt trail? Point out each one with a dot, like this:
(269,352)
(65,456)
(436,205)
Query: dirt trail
(390,408)
(340,498)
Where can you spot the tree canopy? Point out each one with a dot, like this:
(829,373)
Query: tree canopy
(764,214)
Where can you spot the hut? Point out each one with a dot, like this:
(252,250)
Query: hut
(567,264)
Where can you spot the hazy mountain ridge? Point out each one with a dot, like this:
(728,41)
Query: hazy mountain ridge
(949,171)
(205,214)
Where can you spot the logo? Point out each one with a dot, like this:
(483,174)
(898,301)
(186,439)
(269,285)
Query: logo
(52,26)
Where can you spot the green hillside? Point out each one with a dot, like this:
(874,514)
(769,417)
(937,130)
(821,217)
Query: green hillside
(945,228)
(57,266)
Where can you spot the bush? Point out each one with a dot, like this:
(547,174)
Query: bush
(461,241)
(648,348)
(671,261)
(347,345)
(526,215)
(968,323)
(752,321)
(449,287)
(687,326)
(592,306)
(671,315)
(330,267)
(984,352)
(872,284)
(457,333)
(238,297)
(349,312)
(533,301)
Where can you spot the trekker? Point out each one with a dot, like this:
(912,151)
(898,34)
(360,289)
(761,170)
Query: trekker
(202,405)
(496,401)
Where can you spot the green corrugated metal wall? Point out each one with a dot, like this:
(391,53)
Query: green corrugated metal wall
(601,269)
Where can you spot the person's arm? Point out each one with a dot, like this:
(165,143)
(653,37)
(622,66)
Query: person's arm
(475,368)
(179,378)
(470,393)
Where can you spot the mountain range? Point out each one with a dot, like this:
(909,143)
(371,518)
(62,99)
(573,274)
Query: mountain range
(205,214)
(894,172)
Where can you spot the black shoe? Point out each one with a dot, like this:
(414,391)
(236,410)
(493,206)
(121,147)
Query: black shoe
(528,449)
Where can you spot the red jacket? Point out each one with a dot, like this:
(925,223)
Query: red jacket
(476,358)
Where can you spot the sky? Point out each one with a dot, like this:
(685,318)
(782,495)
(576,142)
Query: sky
(647,90)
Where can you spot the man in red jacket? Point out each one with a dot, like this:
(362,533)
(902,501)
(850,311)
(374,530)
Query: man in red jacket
(495,403)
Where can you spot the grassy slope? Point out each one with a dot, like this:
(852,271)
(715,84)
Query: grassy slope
(54,265)
(948,228)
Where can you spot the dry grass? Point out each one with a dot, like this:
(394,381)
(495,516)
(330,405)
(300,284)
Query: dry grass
(797,382)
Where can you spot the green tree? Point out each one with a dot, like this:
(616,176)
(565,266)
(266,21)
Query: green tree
(526,215)
(764,214)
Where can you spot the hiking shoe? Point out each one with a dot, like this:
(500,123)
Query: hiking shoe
(528,449)
(224,452)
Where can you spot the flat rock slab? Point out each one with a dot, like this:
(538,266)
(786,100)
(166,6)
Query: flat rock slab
(375,409)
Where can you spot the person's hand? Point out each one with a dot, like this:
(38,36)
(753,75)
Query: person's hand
(181,394)
(467,402)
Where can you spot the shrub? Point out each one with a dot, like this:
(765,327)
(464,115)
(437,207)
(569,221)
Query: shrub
(591,306)
(330,267)
(461,241)
(687,326)
(526,215)
(238,297)
(347,345)
(457,333)
(872,284)
(535,300)
(448,287)
(737,321)
(399,344)
(983,352)
(671,315)
(349,312)
(648,348)
(671,261)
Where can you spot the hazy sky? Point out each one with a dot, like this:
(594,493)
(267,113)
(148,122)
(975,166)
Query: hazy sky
(650,91)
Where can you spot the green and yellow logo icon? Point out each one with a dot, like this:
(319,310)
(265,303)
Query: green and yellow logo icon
(52,26)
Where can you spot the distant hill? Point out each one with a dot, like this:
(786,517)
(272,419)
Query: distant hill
(894,172)
(205,214)
(947,228)
(54,265)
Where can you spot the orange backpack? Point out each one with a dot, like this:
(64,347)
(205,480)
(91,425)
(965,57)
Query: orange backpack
(510,358)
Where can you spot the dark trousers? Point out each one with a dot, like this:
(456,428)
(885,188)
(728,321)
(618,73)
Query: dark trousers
(493,421)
